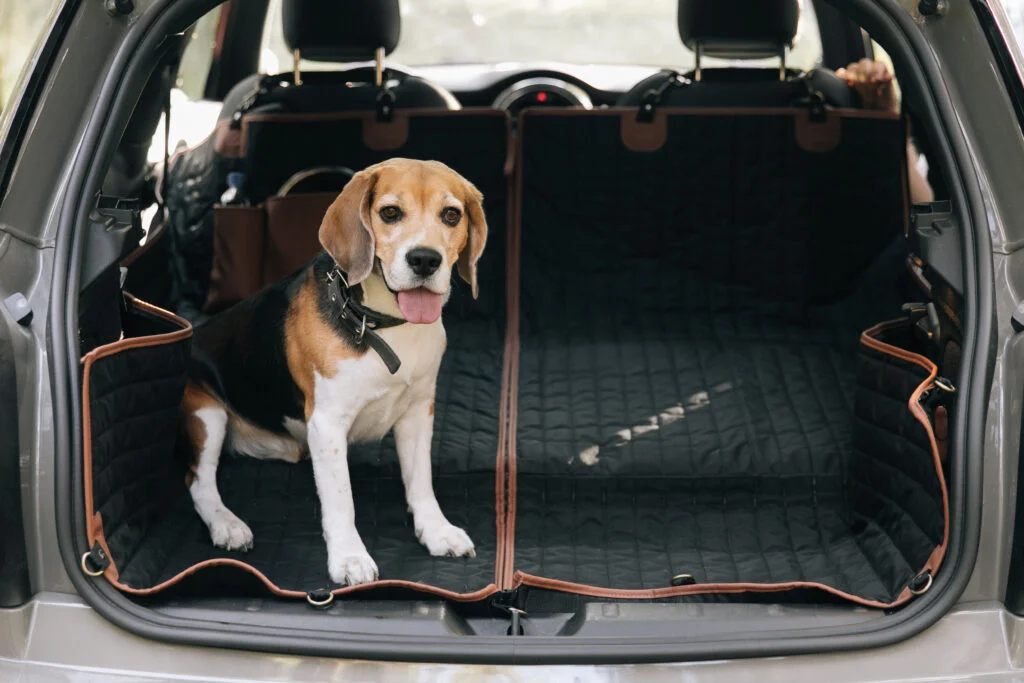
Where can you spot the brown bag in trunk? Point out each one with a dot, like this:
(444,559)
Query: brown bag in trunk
(254,246)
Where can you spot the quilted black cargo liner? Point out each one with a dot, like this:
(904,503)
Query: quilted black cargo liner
(673,420)
(154,535)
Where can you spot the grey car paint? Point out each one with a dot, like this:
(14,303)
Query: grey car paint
(58,637)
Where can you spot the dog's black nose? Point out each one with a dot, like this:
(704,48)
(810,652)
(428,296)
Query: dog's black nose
(423,261)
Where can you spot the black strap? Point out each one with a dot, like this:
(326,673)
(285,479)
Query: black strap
(813,99)
(361,321)
(652,98)
(167,152)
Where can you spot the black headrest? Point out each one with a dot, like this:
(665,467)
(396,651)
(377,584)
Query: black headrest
(738,29)
(340,30)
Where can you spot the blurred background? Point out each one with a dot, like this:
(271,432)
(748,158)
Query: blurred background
(638,32)
(21,23)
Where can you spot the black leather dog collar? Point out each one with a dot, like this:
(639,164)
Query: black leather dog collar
(361,321)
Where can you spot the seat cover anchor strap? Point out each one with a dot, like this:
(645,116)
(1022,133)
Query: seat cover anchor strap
(362,322)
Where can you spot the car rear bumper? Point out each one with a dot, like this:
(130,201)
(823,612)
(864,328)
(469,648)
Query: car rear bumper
(58,637)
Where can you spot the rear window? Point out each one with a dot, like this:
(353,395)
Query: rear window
(436,32)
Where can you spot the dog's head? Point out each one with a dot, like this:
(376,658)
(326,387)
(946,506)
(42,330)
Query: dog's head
(417,219)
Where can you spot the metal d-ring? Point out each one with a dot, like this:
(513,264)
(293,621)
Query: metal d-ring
(320,603)
(923,589)
(683,580)
(945,385)
(85,566)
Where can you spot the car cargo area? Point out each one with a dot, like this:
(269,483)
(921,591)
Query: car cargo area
(690,371)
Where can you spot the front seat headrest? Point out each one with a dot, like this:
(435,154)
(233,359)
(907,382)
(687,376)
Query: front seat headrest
(341,30)
(738,29)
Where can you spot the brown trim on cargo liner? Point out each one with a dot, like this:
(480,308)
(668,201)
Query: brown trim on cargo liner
(385,135)
(94,522)
(648,137)
(95,532)
(233,143)
(818,136)
(522,579)
(504,518)
(869,340)
(643,136)
(707,111)
(506,559)
(94,529)
(512,347)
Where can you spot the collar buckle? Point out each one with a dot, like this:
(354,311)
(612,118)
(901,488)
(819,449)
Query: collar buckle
(338,287)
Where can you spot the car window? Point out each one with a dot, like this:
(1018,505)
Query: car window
(192,117)
(1015,13)
(198,56)
(22,25)
(604,32)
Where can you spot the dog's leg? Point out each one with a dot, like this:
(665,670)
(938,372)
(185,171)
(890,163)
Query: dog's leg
(347,559)
(226,529)
(413,434)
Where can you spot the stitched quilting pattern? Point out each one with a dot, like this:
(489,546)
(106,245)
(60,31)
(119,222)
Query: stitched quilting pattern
(690,395)
(154,533)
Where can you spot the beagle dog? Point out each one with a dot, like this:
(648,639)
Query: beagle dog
(340,353)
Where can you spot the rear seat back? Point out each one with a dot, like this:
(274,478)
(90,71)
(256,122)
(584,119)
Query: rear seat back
(768,198)
(254,246)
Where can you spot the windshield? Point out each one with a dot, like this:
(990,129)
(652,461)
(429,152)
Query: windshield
(639,32)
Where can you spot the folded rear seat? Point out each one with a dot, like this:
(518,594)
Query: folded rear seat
(145,536)
(165,543)
(337,33)
(702,401)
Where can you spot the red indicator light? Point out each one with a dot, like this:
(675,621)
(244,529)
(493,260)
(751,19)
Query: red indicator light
(542,97)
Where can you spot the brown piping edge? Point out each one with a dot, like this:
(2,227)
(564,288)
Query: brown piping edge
(522,579)
(931,565)
(507,558)
(869,340)
(500,474)
(233,142)
(94,529)
(94,524)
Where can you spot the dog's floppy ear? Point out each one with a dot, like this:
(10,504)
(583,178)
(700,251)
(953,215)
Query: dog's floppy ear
(345,231)
(477,238)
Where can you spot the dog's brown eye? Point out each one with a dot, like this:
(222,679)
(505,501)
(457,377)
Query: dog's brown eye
(390,214)
(451,215)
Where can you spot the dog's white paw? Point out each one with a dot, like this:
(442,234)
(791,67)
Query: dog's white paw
(229,532)
(444,539)
(352,569)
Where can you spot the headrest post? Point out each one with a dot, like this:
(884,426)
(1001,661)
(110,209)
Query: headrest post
(296,55)
(782,63)
(696,65)
(380,66)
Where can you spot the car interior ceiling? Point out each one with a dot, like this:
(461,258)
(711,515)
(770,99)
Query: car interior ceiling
(697,368)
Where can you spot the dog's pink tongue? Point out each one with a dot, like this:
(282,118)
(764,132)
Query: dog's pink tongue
(420,305)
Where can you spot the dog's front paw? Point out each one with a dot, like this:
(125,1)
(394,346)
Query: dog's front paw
(229,532)
(444,539)
(352,569)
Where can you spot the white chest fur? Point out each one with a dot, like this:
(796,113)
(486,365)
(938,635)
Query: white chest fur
(366,398)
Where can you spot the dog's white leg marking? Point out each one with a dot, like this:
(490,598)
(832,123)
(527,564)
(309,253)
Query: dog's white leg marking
(347,559)
(226,529)
(413,433)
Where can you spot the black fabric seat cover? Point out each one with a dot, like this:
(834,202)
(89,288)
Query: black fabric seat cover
(675,417)
(151,527)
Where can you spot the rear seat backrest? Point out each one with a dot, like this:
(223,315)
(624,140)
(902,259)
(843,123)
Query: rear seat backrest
(767,198)
(342,31)
(739,29)
(281,235)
